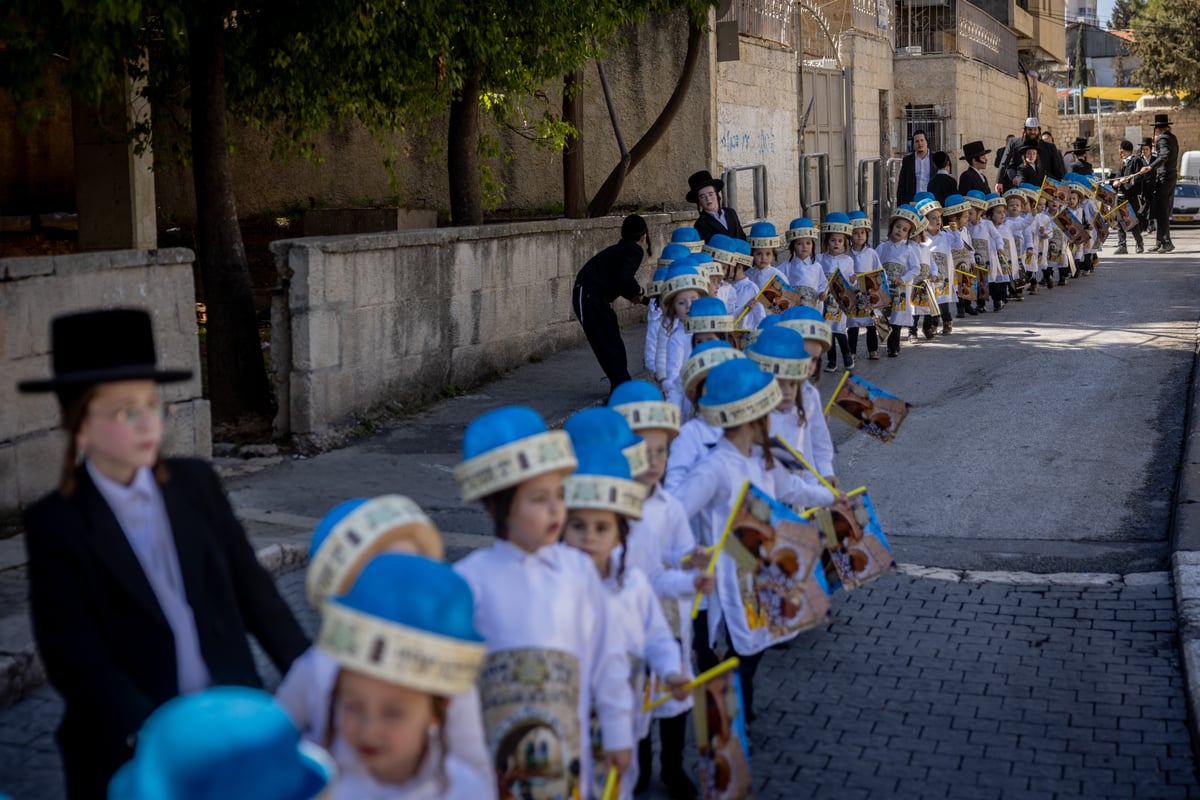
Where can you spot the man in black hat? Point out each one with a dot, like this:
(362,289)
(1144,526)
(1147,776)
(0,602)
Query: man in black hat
(1166,171)
(973,177)
(610,274)
(705,191)
(1049,159)
(1130,190)
(1080,165)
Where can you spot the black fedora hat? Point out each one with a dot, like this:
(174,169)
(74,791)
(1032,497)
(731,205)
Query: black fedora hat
(973,150)
(698,180)
(1080,145)
(1162,121)
(99,347)
(1027,146)
(1147,142)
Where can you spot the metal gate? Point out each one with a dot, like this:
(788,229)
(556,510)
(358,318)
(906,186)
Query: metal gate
(825,134)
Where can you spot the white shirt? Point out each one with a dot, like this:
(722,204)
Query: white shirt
(787,424)
(921,171)
(761,276)
(696,437)
(845,265)
(816,430)
(142,515)
(679,349)
(865,260)
(902,265)
(805,273)
(653,326)
(745,291)
(437,778)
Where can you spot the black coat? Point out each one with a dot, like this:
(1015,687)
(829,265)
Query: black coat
(1165,164)
(971,179)
(1050,162)
(709,227)
(942,185)
(612,272)
(101,634)
(906,183)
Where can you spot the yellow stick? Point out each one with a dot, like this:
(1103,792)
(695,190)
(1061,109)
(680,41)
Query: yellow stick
(612,785)
(712,564)
(699,680)
(836,389)
(804,463)
(855,492)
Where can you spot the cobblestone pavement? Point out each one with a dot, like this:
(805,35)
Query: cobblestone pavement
(920,688)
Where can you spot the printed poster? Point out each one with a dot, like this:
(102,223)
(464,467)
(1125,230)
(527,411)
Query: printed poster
(719,721)
(869,409)
(1054,190)
(1106,196)
(1074,230)
(777,296)
(964,285)
(1124,216)
(1101,227)
(530,700)
(860,296)
(856,549)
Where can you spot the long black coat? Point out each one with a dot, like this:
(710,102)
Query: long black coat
(102,636)
(942,185)
(708,226)
(906,182)
(970,179)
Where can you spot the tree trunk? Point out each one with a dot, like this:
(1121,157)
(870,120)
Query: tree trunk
(462,153)
(608,192)
(237,378)
(574,191)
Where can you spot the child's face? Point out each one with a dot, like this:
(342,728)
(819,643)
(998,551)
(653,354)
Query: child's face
(681,303)
(709,200)
(714,284)
(1041,206)
(858,236)
(537,514)
(1015,207)
(123,429)
(763,257)
(387,726)
(1073,200)
(1030,157)
(972,215)
(701,338)
(899,231)
(934,218)
(595,533)
(996,214)
(734,272)
(835,245)
(789,389)
(814,350)
(802,248)
(658,447)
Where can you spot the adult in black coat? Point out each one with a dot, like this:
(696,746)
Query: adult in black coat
(915,163)
(975,154)
(705,191)
(1165,166)
(1050,160)
(942,184)
(610,274)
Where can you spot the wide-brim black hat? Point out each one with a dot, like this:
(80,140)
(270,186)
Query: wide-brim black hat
(698,180)
(1080,145)
(973,150)
(101,347)
(1162,120)
(1027,146)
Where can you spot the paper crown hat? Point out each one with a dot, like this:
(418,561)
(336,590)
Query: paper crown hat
(506,447)
(407,620)
(706,266)
(955,204)
(739,392)
(688,237)
(708,315)
(763,235)
(224,743)
(923,200)
(1016,192)
(721,248)
(977,199)
(354,531)
(672,253)
(703,359)
(801,228)
(780,352)
(643,407)
(837,222)
(604,427)
(809,323)
(654,285)
(603,483)
(993,200)
(905,212)
(742,253)
(858,220)
(681,277)
(101,346)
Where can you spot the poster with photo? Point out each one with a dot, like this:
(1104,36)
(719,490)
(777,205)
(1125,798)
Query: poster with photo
(964,285)
(1124,216)
(777,296)
(856,549)
(869,408)
(719,722)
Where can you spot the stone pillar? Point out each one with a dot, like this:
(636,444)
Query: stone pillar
(114,187)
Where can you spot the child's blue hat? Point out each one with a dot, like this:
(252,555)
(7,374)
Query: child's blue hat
(955,204)
(643,407)
(604,427)
(742,253)
(926,204)
(921,197)
(907,213)
(721,248)
(708,315)
(739,392)
(837,222)
(688,237)
(355,530)
(993,200)
(671,253)
(681,277)
(802,228)
(780,352)
(654,286)
(977,199)
(407,620)
(506,447)
(809,323)
(706,266)
(224,743)
(763,236)
(603,483)
(859,220)
(704,357)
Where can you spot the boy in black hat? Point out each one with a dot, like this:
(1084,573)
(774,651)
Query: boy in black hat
(142,583)
(973,177)
(705,191)
(1165,166)
(1130,190)
(1149,189)
(1080,164)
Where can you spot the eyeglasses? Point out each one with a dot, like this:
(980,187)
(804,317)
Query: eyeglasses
(136,415)
(706,195)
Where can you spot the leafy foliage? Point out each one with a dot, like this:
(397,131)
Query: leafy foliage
(1168,43)
(1123,13)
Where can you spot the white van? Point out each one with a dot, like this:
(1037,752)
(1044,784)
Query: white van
(1189,165)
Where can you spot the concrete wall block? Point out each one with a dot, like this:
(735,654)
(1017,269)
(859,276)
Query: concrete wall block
(462,262)
(16,269)
(39,461)
(303,410)
(306,287)
(364,339)
(339,278)
(375,278)
(316,339)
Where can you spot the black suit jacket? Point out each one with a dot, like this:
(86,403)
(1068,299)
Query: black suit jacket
(970,179)
(709,227)
(612,272)
(906,183)
(100,632)
(942,185)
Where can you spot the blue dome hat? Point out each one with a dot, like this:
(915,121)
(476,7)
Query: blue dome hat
(604,483)
(672,253)
(704,358)
(924,205)
(604,427)
(643,407)
(837,222)
(681,277)
(742,253)
(809,323)
(906,213)
(708,315)
(977,199)
(506,447)
(409,621)
(764,237)
(955,204)
(706,266)
(349,535)
(780,352)
(224,743)
(766,322)
(802,228)
(921,197)
(655,284)
(721,248)
(859,220)
(688,237)
(739,392)
(992,199)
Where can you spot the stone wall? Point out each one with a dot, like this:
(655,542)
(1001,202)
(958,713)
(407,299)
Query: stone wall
(1132,125)
(869,57)
(32,292)
(395,317)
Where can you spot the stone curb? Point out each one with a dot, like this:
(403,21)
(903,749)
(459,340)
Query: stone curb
(21,673)
(1074,579)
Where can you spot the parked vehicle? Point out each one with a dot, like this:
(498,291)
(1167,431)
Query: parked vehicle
(1189,165)
(1187,202)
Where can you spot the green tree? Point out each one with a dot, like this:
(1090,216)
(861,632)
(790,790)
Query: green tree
(1123,13)
(1167,40)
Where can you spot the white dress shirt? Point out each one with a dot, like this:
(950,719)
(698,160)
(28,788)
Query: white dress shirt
(816,430)
(142,515)
(921,171)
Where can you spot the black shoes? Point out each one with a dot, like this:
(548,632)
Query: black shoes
(1120,251)
(1167,247)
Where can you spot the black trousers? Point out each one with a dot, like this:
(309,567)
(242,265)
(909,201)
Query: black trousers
(872,340)
(603,333)
(1164,199)
(1136,231)
(840,342)
(706,658)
